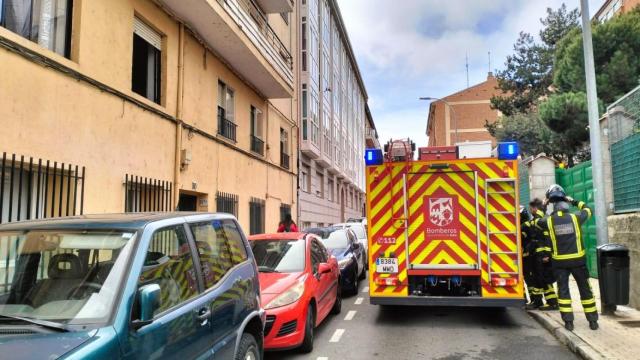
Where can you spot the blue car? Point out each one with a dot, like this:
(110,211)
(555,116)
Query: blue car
(134,286)
(350,253)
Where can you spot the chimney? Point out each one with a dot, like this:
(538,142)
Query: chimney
(490,75)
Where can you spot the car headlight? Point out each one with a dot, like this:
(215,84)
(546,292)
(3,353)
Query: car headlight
(342,263)
(288,297)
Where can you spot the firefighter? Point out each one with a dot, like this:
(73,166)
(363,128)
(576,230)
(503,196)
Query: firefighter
(542,270)
(568,253)
(528,253)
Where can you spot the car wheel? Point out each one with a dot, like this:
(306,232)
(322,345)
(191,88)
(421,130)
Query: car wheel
(307,342)
(248,348)
(337,305)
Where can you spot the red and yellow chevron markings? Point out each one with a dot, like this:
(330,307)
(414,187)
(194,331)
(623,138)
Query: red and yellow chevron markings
(385,206)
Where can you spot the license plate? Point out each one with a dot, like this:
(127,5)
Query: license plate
(387,265)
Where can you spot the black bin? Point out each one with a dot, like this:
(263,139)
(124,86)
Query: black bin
(613,274)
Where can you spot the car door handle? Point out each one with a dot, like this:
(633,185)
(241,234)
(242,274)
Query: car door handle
(203,315)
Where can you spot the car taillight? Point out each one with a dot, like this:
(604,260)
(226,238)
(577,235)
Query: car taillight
(503,282)
(387,281)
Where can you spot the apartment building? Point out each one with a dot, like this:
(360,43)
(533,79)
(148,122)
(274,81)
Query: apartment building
(332,133)
(461,116)
(612,7)
(372,140)
(141,105)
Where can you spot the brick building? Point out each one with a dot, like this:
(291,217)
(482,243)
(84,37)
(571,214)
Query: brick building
(465,111)
(612,7)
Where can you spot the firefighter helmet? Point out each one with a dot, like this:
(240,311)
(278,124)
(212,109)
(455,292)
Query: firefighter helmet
(556,193)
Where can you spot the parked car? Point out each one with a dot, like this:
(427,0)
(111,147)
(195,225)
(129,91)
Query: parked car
(361,234)
(359,220)
(299,282)
(131,286)
(344,245)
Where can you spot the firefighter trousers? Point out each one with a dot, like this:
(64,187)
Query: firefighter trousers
(534,286)
(543,272)
(581,275)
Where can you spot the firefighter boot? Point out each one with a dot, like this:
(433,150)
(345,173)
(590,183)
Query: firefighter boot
(593,325)
(568,325)
(549,307)
(536,299)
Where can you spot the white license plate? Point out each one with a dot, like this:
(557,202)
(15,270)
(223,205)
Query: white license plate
(387,265)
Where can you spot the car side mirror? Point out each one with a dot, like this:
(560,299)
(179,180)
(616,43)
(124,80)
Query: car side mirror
(149,302)
(324,268)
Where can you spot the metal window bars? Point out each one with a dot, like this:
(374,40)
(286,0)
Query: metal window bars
(226,128)
(284,210)
(37,188)
(142,194)
(256,216)
(227,203)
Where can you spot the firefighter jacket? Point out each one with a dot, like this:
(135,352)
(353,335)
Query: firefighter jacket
(565,240)
(532,236)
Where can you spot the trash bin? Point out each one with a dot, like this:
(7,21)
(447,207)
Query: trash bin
(613,274)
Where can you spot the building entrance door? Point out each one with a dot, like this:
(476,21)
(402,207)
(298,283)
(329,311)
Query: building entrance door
(188,203)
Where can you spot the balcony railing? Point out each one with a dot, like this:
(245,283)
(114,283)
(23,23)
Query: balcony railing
(284,160)
(227,128)
(263,25)
(257,145)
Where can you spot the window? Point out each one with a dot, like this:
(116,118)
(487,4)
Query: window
(227,203)
(304,179)
(321,192)
(285,209)
(284,148)
(285,17)
(220,247)
(169,263)
(305,104)
(145,194)
(257,144)
(226,111)
(330,190)
(47,23)
(146,70)
(318,254)
(256,216)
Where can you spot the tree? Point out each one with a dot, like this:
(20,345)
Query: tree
(531,133)
(528,71)
(566,114)
(616,46)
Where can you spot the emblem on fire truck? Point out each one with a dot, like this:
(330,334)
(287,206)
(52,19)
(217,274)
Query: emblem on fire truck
(441,211)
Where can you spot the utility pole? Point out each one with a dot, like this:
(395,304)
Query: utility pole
(466,64)
(594,128)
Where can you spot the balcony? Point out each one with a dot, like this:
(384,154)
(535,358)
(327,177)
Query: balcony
(238,32)
(284,160)
(275,6)
(227,128)
(257,145)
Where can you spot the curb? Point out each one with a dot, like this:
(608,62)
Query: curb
(568,338)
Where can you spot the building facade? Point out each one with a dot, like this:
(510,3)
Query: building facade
(461,116)
(140,105)
(612,7)
(333,99)
(372,140)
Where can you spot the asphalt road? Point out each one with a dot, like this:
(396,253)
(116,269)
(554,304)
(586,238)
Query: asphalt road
(364,331)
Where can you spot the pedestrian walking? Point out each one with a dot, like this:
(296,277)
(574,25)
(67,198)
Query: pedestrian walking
(568,253)
(542,269)
(287,225)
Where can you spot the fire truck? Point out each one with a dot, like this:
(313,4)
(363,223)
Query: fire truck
(444,230)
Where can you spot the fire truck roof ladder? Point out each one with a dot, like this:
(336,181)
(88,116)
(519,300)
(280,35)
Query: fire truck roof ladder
(508,183)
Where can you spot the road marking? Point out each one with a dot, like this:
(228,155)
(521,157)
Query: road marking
(359,301)
(336,335)
(322,358)
(350,315)
(366,289)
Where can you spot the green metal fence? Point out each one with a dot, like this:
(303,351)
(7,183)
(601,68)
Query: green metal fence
(523,178)
(625,163)
(578,183)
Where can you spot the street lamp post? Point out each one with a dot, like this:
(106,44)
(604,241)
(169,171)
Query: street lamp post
(453,114)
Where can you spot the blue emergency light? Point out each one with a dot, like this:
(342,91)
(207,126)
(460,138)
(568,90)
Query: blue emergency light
(373,157)
(508,150)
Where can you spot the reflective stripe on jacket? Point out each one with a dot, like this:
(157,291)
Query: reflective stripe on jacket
(565,237)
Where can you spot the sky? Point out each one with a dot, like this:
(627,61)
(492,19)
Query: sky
(408,49)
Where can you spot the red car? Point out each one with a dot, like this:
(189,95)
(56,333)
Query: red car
(299,287)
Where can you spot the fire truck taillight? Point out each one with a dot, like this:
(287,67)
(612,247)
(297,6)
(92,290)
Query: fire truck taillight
(387,281)
(503,282)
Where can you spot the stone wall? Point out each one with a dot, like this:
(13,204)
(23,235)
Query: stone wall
(625,229)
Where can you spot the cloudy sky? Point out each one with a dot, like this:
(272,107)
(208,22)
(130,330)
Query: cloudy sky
(412,48)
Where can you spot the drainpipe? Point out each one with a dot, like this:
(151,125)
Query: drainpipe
(179,106)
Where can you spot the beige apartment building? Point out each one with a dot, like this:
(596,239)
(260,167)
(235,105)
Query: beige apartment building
(333,101)
(140,105)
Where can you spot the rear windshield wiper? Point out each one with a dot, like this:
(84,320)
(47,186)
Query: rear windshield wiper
(265,269)
(46,324)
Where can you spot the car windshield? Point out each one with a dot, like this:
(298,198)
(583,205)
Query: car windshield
(358,230)
(337,239)
(285,256)
(66,277)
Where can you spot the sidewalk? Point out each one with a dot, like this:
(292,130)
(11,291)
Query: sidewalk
(617,338)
